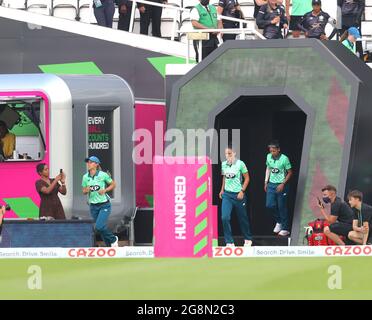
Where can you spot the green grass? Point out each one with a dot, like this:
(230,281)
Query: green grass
(252,278)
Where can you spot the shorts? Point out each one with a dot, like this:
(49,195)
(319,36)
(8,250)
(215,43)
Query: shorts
(293,24)
(341,228)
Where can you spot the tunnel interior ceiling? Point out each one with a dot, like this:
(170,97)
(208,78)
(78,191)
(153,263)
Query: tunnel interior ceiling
(300,70)
(260,119)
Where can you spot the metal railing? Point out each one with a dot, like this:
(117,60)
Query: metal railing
(177,10)
(242,31)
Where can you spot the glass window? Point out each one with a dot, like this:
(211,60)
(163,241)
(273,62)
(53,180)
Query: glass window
(100,138)
(22,129)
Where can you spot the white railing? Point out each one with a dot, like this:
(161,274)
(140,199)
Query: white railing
(177,10)
(242,31)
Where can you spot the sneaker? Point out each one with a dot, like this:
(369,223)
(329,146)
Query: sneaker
(278,228)
(283,233)
(230,245)
(115,243)
(247,243)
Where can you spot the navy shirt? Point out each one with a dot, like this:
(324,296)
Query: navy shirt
(314,25)
(264,18)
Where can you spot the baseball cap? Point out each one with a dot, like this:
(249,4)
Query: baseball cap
(354,32)
(93,159)
(317,2)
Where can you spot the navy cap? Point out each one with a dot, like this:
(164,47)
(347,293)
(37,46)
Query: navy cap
(317,2)
(93,159)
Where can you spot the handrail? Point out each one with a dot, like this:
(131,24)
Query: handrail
(227,30)
(177,9)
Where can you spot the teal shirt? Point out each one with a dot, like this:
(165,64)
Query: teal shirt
(233,175)
(278,168)
(98,182)
(351,46)
(301,7)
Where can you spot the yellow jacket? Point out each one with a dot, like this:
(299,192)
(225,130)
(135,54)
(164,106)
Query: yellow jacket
(8,144)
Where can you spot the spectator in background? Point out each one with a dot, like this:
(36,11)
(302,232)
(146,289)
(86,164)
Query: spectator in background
(299,9)
(96,184)
(362,218)
(278,173)
(314,22)
(352,11)
(151,14)
(7,142)
(257,5)
(125,13)
(272,19)
(349,39)
(340,218)
(229,8)
(2,214)
(104,12)
(204,16)
(48,189)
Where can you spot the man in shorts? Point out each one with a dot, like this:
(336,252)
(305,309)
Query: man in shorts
(340,218)
(299,9)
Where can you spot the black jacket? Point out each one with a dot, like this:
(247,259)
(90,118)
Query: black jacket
(264,18)
(352,7)
(314,25)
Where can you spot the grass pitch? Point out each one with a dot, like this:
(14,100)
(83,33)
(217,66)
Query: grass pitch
(249,278)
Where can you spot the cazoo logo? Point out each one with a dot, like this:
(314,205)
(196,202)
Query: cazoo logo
(228,252)
(348,251)
(92,253)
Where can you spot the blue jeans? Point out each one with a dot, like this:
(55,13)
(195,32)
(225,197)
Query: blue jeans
(105,14)
(230,201)
(100,214)
(276,202)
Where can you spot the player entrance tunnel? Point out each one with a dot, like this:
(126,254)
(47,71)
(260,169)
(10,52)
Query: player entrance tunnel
(336,104)
(261,119)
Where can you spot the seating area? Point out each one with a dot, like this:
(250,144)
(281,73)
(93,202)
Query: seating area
(80,10)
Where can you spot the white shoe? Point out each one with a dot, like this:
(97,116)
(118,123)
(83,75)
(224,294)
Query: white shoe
(247,243)
(278,228)
(115,244)
(284,233)
(230,245)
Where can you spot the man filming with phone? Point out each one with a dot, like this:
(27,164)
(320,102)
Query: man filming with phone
(340,218)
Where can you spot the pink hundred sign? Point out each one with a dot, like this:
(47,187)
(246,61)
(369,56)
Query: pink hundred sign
(183,213)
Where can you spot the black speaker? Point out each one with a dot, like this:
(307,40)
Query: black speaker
(143,226)
(37,233)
